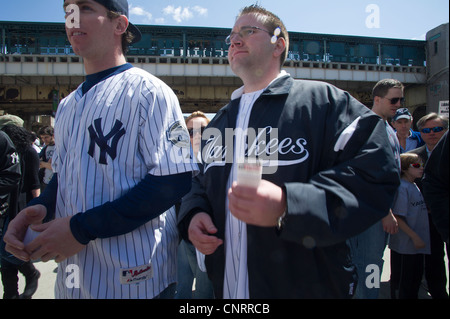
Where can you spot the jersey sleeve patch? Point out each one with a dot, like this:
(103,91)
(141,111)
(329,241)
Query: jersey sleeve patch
(178,135)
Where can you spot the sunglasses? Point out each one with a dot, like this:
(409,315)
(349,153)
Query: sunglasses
(192,131)
(434,129)
(417,165)
(395,100)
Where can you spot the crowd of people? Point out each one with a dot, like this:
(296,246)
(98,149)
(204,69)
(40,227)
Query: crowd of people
(30,162)
(145,201)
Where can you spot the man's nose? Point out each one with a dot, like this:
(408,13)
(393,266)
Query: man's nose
(236,39)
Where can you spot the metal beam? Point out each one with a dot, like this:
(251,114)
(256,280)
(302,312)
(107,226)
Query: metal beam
(29,65)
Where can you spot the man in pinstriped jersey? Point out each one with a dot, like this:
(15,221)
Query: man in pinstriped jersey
(121,162)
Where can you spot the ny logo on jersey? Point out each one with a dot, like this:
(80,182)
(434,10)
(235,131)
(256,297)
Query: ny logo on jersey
(14,158)
(97,137)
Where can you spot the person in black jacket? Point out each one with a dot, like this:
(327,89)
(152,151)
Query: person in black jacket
(10,174)
(328,173)
(435,186)
(10,178)
(29,188)
(432,128)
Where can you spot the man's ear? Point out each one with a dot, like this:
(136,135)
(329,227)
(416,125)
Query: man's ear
(121,25)
(376,100)
(280,46)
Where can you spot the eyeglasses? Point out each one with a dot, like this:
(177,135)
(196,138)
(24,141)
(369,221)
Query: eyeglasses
(434,129)
(395,100)
(192,131)
(416,165)
(244,33)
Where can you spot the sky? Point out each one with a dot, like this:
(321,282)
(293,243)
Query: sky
(399,19)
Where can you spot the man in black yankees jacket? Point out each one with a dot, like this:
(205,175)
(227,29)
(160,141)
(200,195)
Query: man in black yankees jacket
(10,173)
(432,128)
(328,175)
(10,176)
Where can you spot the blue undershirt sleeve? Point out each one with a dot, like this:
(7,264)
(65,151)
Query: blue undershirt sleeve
(48,198)
(150,198)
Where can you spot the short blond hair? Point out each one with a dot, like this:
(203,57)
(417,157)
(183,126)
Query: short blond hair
(197,114)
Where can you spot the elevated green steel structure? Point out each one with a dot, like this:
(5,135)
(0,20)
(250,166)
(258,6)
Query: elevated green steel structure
(50,39)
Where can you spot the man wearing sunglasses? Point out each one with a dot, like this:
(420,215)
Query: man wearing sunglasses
(368,247)
(432,127)
(387,98)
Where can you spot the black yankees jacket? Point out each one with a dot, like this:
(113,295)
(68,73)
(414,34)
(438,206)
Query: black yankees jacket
(336,165)
(10,177)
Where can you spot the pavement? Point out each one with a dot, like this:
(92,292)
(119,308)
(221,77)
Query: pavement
(46,281)
(48,277)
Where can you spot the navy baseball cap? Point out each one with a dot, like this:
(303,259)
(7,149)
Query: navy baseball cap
(402,113)
(121,7)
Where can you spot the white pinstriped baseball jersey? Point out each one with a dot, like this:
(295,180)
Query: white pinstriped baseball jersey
(107,141)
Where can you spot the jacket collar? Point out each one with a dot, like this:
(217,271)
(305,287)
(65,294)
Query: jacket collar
(279,86)
(274,88)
